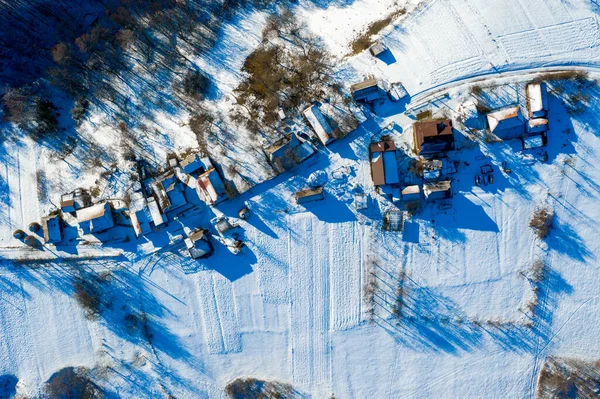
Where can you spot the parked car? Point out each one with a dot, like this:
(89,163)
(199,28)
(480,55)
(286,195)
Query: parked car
(477,180)
(491,178)
(486,169)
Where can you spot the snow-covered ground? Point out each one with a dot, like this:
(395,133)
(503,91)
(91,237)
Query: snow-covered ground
(292,307)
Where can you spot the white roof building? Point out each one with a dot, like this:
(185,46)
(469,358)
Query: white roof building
(317,121)
(411,193)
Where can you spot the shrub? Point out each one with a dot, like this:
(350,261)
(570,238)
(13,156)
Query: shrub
(87,294)
(541,222)
(252,388)
(195,84)
(72,382)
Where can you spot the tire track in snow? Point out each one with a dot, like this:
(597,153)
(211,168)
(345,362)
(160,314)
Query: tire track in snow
(346,266)
(221,329)
(310,262)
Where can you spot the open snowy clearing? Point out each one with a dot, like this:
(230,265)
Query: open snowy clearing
(292,307)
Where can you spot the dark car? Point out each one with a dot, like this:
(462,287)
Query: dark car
(477,180)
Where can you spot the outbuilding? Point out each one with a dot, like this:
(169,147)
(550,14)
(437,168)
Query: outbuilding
(52,228)
(437,191)
(309,195)
(411,193)
(210,188)
(198,245)
(537,99)
(319,124)
(367,91)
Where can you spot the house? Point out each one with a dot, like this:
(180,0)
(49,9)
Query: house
(319,124)
(190,164)
(210,188)
(507,123)
(432,170)
(155,213)
(531,141)
(367,91)
(433,137)
(52,228)
(539,125)
(377,48)
(198,245)
(96,218)
(537,100)
(288,151)
(437,191)
(384,168)
(168,191)
(309,195)
(411,193)
(75,200)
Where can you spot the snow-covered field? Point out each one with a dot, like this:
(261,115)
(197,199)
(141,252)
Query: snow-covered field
(293,307)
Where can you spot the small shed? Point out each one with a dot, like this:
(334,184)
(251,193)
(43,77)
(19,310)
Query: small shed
(539,125)
(377,48)
(96,218)
(319,124)
(384,167)
(533,141)
(210,188)
(367,91)
(75,200)
(411,193)
(309,195)
(537,99)
(155,213)
(507,123)
(198,245)
(52,228)
(438,190)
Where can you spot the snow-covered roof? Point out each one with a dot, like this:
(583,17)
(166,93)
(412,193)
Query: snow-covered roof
(209,187)
(506,118)
(537,99)
(51,228)
(317,121)
(95,218)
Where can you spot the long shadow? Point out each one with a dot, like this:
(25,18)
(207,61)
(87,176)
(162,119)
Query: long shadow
(565,240)
(8,386)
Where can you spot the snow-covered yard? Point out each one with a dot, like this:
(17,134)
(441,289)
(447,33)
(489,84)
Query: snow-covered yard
(294,306)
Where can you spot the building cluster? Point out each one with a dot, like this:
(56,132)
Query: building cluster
(432,140)
(510,123)
(153,202)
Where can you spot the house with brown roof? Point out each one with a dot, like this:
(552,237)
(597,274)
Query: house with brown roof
(384,167)
(433,137)
(52,228)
